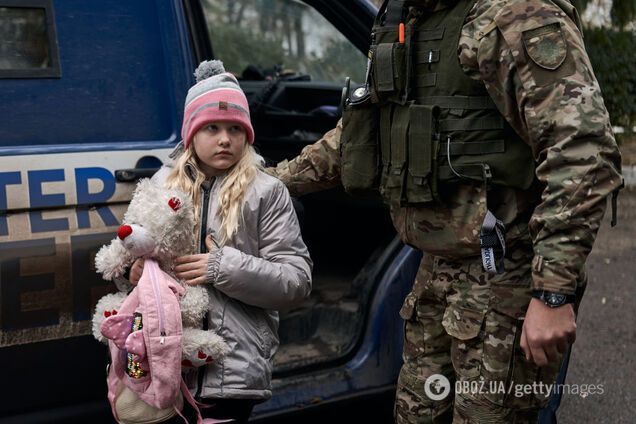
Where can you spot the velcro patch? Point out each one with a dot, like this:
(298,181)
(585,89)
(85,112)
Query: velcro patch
(546,45)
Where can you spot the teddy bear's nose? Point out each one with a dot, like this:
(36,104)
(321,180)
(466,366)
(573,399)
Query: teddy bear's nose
(124,231)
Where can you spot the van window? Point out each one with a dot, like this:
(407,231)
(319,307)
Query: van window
(286,33)
(28,40)
(119,87)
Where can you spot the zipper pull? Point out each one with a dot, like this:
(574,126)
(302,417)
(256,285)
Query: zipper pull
(163,338)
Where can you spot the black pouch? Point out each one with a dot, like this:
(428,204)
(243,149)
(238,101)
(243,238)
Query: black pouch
(394,128)
(390,67)
(359,149)
(422,154)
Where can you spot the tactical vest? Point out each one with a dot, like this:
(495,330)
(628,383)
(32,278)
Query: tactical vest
(435,125)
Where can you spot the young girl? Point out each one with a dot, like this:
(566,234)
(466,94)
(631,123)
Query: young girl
(252,257)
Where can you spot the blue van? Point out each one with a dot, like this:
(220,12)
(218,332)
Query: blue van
(92,97)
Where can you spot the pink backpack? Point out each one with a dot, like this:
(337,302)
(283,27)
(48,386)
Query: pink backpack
(145,349)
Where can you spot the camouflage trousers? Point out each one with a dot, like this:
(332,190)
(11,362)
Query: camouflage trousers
(465,325)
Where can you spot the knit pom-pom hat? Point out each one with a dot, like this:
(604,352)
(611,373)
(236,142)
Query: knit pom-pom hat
(216,96)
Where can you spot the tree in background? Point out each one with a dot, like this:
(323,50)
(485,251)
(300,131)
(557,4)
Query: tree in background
(611,44)
(280,33)
(623,13)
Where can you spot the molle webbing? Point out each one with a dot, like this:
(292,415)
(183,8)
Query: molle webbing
(430,56)
(471,124)
(429,34)
(413,82)
(426,80)
(472,148)
(460,102)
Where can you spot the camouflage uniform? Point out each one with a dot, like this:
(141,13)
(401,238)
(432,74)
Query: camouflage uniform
(460,321)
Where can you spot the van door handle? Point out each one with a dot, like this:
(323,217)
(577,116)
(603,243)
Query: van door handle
(145,167)
(134,174)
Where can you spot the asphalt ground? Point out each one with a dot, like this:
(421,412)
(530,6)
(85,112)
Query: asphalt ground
(603,353)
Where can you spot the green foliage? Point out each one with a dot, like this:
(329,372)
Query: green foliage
(623,12)
(266,33)
(612,55)
(238,47)
(339,60)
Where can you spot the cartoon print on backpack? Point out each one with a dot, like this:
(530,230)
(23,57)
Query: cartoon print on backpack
(158,224)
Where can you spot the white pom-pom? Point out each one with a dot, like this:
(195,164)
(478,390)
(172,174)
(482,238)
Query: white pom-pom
(208,68)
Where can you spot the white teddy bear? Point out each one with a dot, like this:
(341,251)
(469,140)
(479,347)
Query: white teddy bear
(158,224)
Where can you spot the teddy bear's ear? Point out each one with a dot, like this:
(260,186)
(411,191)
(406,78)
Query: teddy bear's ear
(106,306)
(112,260)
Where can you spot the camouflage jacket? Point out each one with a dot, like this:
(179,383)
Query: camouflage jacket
(557,108)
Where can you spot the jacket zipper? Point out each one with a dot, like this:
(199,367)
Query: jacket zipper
(202,234)
(162,328)
(204,217)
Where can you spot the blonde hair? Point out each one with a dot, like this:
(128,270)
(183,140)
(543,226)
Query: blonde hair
(188,177)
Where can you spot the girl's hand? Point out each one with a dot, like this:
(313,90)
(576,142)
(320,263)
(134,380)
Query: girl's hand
(192,269)
(136,270)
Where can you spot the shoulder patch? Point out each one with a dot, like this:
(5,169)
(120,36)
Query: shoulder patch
(546,45)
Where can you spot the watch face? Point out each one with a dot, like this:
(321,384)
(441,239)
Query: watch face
(555,299)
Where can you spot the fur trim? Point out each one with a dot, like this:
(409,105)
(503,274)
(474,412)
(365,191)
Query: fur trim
(105,307)
(202,347)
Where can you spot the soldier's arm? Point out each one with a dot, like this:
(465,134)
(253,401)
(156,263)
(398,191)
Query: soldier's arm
(533,62)
(316,168)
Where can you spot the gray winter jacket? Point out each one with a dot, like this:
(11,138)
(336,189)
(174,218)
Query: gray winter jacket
(265,267)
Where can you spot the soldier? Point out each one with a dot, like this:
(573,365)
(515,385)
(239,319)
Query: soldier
(483,126)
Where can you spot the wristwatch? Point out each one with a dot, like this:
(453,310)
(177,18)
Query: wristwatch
(553,300)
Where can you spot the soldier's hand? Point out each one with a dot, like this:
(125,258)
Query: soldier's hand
(136,269)
(547,332)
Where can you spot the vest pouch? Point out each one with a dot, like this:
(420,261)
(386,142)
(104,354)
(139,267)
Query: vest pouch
(422,154)
(468,159)
(389,67)
(359,149)
(394,128)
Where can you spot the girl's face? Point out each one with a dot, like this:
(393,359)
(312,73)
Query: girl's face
(219,145)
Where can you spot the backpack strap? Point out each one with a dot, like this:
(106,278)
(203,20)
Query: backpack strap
(195,405)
